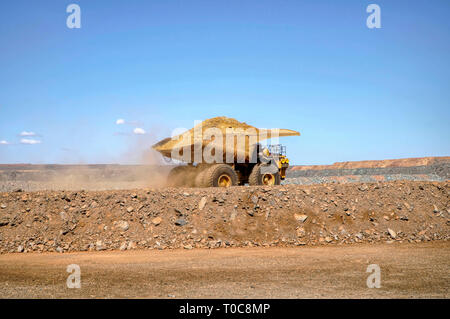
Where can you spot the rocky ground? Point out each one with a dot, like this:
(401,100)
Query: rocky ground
(167,218)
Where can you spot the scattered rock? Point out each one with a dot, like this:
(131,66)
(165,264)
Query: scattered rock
(408,206)
(180,222)
(392,233)
(301,232)
(202,204)
(130,209)
(99,245)
(63,216)
(363,187)
(178,212)
(123,225)
(4,221)
(156,221)
(300,217)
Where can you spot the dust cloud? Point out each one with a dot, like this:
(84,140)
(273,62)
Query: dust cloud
(139,166)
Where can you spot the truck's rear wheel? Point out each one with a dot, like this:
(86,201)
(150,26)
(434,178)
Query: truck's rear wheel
(200,178)
(220,175)
(263,178)
(181,176)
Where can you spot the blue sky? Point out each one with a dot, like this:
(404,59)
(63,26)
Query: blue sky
(313,66)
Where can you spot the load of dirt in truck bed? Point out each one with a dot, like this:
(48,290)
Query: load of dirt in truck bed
(187,137)
(290,215)
(195,136)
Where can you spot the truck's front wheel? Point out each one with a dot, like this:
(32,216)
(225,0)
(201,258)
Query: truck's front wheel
(258,176)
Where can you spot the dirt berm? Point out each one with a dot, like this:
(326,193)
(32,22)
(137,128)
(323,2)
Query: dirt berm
(239,216)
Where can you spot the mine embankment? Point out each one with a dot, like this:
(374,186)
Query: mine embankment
(166,218)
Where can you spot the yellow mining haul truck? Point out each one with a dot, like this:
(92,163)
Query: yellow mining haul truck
(223,152)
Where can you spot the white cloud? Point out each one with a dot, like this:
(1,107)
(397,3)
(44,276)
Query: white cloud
(29,141)
(4,142)
(139,131)
(120,121)
(25,133)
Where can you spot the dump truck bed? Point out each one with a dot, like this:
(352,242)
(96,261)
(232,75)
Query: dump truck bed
(243,139)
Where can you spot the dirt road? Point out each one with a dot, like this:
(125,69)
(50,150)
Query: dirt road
(420,270)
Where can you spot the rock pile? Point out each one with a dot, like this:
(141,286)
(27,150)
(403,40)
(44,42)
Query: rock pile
(290,215)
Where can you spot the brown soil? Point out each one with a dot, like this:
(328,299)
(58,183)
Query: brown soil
(288,215)
(407,271)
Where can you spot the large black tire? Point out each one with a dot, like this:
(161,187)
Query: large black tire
(220,175)
(200,178)
(181,176)
(256,178)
